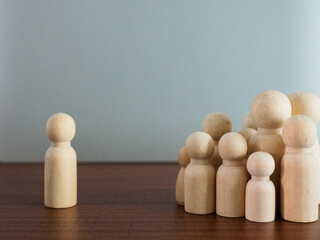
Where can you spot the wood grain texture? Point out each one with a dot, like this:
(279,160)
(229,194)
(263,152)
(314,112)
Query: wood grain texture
(129,201)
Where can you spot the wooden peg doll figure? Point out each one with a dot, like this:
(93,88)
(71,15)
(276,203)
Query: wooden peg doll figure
(216,125)
(308,104)
(299,192)
(199,176)
(247,122)
(269,110)
(260,190)
(231,176)
(184,160)
(60,167)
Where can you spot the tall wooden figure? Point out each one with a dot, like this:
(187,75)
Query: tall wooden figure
(307,103)
(216,125)
(199,177)
(299,200)
(184,160)
(269,111)
(260,190)
(60,167)
(231,176)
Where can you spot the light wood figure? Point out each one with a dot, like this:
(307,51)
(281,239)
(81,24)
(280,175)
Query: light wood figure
(307,103)
(269,110)
(247,122)
(247,133)
(216,125)
(299,199)
(199,177)
(260,190)
(184,160)
(231,176)
(60,167)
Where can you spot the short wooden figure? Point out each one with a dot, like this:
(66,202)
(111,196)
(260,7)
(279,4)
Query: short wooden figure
(299,199)
(307,103)
(199,177)
(247,122)
(231,176)
(60,167)
(247,133)
(269,110)
(260,190)
(184,160)
(216,125)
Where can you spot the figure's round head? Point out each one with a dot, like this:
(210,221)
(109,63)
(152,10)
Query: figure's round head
(247,122)
(232,146)
(270,109)
(260,164)
(299,131)
(305,103)
(199,145)
(60,128)
(216,125)
(183,158)
(247,133)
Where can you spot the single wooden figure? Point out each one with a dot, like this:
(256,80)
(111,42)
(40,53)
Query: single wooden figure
(60,167)
(247,122)
(247,133)
(299,199)
(216,125)
(199,176)
(184,160)
(260,190)
(231,176)
(307,103)
(269,110)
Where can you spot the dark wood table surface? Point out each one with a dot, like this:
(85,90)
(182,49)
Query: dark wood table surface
(121,201)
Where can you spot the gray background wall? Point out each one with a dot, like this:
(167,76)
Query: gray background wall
(139,76)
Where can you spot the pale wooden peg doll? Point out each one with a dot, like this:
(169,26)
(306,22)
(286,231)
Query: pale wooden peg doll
(231,176)
(216,125)
(184,160)
(199,176)
(307,103)
(260,190)
(247,122)
(299,199)
(60,167)
(247,133)
(269,110)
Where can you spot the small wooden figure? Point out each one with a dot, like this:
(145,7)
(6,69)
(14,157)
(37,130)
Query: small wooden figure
(269,110)
(184,160)
(199,177)
(260,191)
(231,176)
(60,167)
(216,125)
(247,122)
(307,103)
(299,199)
(247,133)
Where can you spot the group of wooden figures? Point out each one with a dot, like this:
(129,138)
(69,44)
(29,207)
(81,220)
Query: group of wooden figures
(278,146)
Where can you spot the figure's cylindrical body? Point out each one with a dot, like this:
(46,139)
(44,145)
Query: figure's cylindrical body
(60,177)
(199,187)
(180,187)
(260,201)
(231,186)
(299,200)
